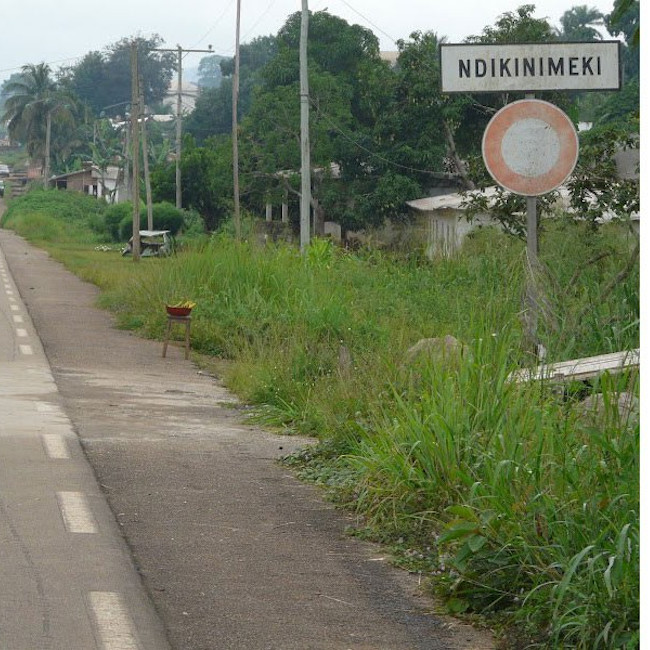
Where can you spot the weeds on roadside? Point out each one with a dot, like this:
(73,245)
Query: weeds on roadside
(517,500)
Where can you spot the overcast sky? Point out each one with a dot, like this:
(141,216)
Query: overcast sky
(61,31)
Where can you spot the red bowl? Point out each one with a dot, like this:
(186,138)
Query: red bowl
(178,311)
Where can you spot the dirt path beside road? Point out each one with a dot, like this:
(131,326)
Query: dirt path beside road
(234,551)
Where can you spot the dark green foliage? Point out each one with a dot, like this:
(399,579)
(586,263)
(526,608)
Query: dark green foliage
(580,24)
(114,215)
(210,75)
(165,217)
(213,112)
(596,176)
(103,79)
(622,107)
(33,98)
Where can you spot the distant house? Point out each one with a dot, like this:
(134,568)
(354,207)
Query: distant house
(90,180)
(389,57)
(189,94)
(443,221)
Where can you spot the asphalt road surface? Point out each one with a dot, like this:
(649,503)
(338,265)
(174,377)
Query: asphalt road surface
(207,543)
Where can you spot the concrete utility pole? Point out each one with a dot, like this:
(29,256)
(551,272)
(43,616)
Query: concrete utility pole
(235,129)
(145,159)
(135,141)
(48,147)
(179,104)
(305,168)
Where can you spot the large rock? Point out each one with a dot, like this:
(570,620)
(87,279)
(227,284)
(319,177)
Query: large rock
(440,350)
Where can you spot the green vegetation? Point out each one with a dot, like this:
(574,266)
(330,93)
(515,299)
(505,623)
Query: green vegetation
(70,217)
(519,502)
(46,216)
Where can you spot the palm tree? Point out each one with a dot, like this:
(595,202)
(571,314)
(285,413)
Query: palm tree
(579,24)
(34,100)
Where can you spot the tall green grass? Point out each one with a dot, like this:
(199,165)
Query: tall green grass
(56,216)
(515,501)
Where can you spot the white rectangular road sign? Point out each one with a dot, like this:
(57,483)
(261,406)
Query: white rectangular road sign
(530,67)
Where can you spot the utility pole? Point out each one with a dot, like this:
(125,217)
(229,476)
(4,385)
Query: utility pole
(48,146)
(145,158)
(305,169)
(235,130)
(179,104)
(135,141)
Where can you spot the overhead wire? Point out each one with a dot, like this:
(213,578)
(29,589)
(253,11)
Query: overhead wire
(214,25)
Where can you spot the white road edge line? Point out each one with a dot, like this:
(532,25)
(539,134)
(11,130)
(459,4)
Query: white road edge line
(113,621)
(76,513)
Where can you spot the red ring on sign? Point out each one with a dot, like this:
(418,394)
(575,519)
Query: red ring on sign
(497,129)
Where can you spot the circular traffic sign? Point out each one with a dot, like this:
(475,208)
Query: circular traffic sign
(530,147)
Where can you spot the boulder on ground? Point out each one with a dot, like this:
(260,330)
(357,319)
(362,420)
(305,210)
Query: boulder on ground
(438,349)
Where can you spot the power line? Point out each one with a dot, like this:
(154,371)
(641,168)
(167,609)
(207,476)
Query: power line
(368,151)
(379,29)
(259,18)
(216,22)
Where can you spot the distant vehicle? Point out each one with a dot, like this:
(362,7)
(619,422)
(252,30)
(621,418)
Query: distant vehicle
(4,170)
(2,188)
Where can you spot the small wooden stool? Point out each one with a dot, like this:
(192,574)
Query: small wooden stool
(181,320)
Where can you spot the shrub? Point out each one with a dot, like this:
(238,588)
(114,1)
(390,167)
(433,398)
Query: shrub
(165,217)
(114,216)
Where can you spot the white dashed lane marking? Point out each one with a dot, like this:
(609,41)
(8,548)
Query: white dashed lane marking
(76,513)
(56,447)
(26,349)
(113,621)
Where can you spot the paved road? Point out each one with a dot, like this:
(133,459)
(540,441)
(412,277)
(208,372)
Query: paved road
(232,550)
(66,576)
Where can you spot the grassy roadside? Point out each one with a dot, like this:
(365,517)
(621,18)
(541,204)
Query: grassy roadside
(516,501)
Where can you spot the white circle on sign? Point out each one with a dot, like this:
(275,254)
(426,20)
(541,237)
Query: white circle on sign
(530,147)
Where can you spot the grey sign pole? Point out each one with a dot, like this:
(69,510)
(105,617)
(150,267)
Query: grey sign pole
(532,298)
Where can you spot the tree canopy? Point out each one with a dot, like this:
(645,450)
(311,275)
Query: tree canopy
(34,105)
(102,80)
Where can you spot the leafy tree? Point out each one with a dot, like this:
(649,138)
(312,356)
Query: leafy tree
(596,188)
(623,107)
(34,104)
(210,75)
(518,26)
(207,180)
(625,21)
(212,114)
(103,79)
(340,56)
(579,24)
